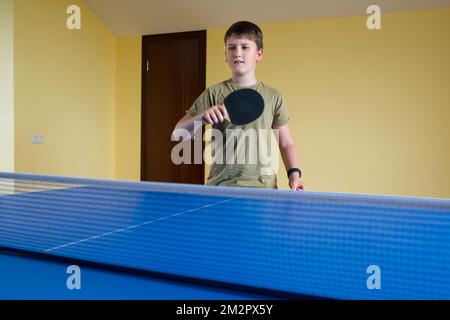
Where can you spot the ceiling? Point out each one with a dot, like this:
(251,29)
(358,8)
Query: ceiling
(142,17)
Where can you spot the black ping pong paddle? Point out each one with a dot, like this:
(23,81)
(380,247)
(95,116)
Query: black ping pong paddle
(244,106)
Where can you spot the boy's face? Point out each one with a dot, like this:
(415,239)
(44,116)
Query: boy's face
(241,55)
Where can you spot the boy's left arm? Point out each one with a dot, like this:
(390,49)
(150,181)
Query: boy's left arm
(289,155)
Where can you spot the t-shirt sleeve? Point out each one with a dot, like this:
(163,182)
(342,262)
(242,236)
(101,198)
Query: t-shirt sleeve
(202,103)
(281,116)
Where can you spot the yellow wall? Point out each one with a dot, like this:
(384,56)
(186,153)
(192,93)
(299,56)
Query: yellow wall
(128,108)
(6,86)
(370,110)
(64,90)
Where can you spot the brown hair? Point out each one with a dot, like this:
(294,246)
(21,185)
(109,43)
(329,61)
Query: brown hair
(246,29)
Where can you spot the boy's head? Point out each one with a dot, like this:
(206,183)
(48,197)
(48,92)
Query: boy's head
(244,47)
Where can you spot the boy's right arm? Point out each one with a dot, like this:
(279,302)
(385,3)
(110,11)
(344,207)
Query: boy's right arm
(214,114)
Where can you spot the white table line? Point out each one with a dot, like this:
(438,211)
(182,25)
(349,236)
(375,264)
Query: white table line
(136,225)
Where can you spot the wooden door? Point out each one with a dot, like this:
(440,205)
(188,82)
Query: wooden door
(173,76)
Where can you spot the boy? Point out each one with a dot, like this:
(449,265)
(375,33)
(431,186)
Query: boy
(244,49)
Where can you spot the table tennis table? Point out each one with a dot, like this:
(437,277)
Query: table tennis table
(145,240)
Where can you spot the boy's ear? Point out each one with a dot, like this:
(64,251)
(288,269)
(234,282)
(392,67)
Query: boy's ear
(259,55)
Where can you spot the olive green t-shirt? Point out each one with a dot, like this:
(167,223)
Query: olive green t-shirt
(243,155)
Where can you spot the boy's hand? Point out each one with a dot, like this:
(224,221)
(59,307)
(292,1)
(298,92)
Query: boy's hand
(216,114)
(295,183)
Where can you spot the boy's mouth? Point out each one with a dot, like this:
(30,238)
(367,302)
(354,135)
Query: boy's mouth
(238,62)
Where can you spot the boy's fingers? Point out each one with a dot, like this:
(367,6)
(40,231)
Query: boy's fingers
(224,111)
(218,114)
(207,118)
(214,117)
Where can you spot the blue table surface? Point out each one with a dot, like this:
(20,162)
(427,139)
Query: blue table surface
(300,246)
(30,278)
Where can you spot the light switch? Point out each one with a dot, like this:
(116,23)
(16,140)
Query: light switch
(37,139)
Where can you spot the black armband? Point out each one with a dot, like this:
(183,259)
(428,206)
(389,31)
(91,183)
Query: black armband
(294,170)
